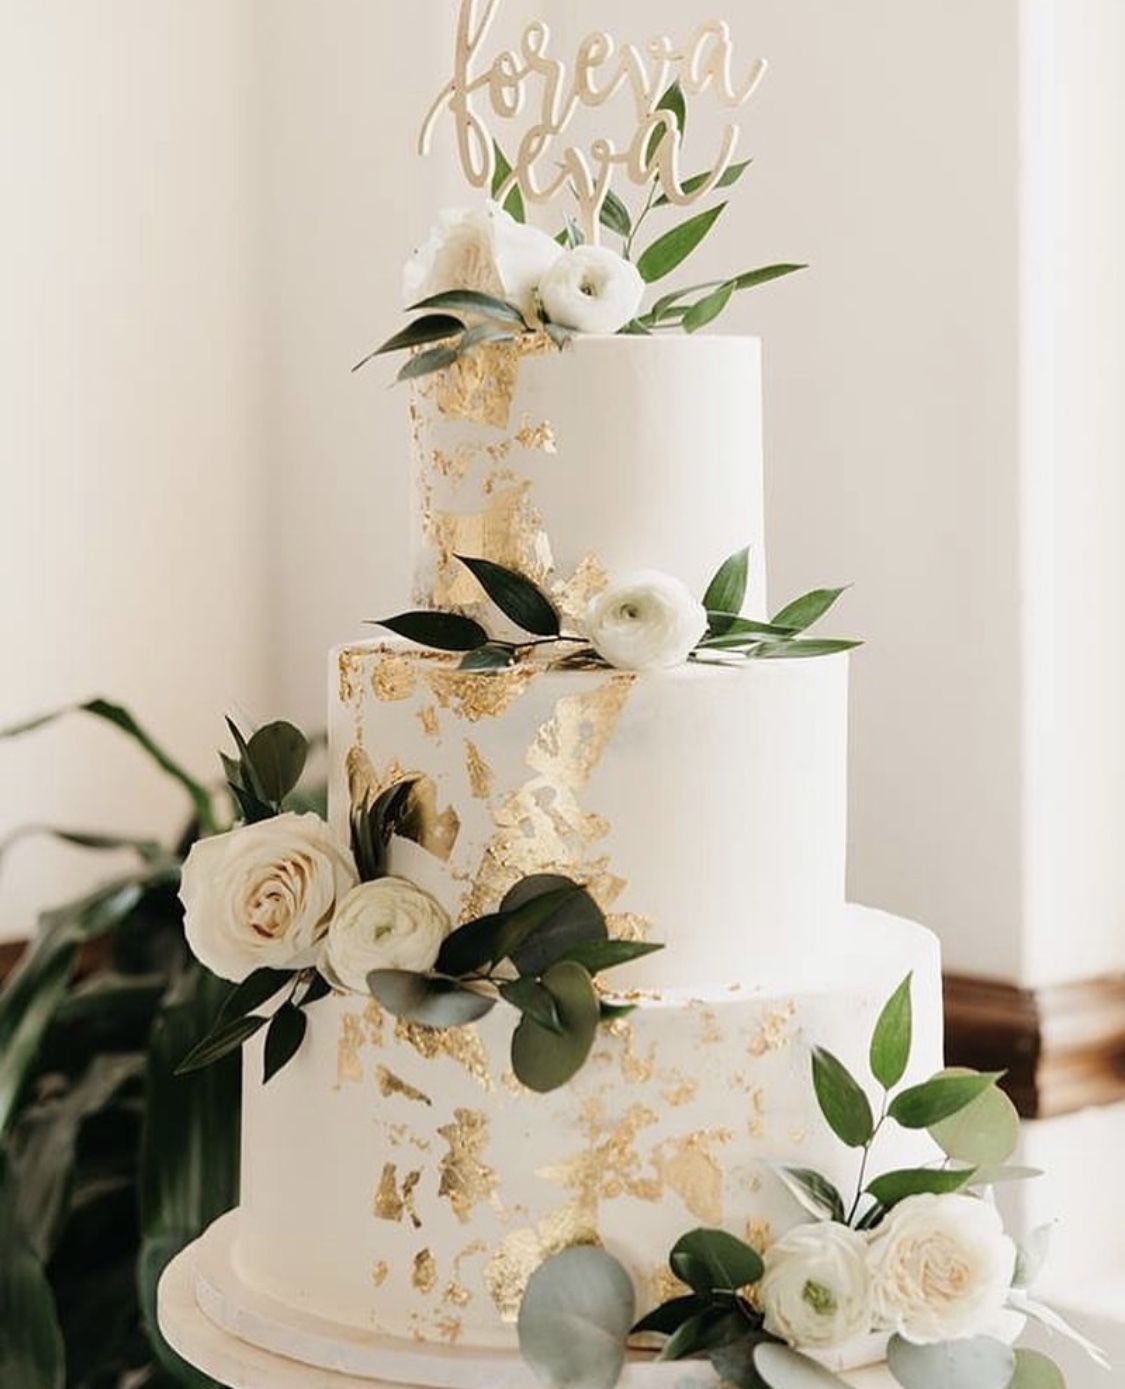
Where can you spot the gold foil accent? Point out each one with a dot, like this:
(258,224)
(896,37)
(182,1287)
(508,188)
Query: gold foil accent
(350,667)
(379,1273)
(449,1328)
(628,925)
(758,1234)
(395,676)
(428,718)
(663,1285)
(637,1070)
(390,1084)
(481,775)
(424,1274)
(679,1091)
(473,697)
(456,1294)
(508,529)
(773,1033)
(459,1044)
(692,1171)
(466,1180)
(357,1030)
(521,1252)
(540,437)
(574,595)
(478,387)
(432,829)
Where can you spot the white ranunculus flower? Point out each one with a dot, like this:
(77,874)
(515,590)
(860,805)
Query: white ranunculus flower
(592,290)
(941,1268)
(263,895)
(484,249)
(386,924)
(816,1290)
(647,621)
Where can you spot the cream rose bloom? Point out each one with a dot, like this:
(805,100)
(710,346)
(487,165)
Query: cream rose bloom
(483,249)
(263,895)
(941,1268)
(592,290)
(386,924)
(647,621)
(816,1290)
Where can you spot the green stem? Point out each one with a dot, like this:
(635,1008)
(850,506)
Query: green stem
(631,238)
(866,1158)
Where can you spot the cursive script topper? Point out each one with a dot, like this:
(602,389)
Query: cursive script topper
(542,167)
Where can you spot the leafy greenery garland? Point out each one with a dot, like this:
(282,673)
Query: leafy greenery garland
(442,316)
(729,635)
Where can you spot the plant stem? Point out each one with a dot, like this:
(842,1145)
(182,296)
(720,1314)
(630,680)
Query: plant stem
(866,1158)
(631,238)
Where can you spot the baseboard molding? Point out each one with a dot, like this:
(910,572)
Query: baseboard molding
(1063,1047)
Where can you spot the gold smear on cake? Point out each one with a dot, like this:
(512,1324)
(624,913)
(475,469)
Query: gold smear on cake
(539,436)
(402,1135)
(428,718)
(424,1273)
(690,1168)
(609,1166)
(481,775)
(628,926)
(679,1090)
(637,1070)
(472,697)
(773,1032)
(758,1234)
(390,1084)
(459,1044)
(710,1032)
(350,667)
(757,1122)
(395,676)
(521,1252)
(433,829)
(663,1285)
(453,465)
(466,1180)
(449,1328)
(507,529)
(511,1082)
(456,1294)
(379,1273)
(478,387)
(391,1203)
(574,595)
(357,1030)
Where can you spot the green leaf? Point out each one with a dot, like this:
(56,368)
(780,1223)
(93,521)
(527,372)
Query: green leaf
(842,1100)
(278,753)
(708,1330)
(783,1368)
(924,1105)
(1036,1371)
(599,955)
(481,333)
(709,308)
(985,1133)
(673,101)
(574,1319)
(615,215)
(543,1060)
(492,656)
(223,1041)
(811,607)
(734,1363)
(726,592)
(427,362)
(711,1261)
(435,327)
(472,301)
(797,649)
(981,1362)
(814,1193)
(533,1000)
(32,1354)
(997,1176)
(893,1037)
(149,850)
(255,990)
(283,1040)
(442,631)
(1049,1318)
(490,939)
(317,988)
(752,278)
(516,597)
(730,630)
(893,1187)
(728,179)
(670,1315)
(669,251)
(422,998)
(501,169)
(573,919)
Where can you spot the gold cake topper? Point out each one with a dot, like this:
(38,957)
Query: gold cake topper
(601,70)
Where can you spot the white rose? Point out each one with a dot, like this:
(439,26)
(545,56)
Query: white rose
(386,924)
(263,895)
(484,249)
(647,621)
(816,1290)
(592,290)
(941,1268)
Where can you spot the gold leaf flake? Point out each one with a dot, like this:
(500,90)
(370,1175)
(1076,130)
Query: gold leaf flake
(637,1070)
(773,1033)
(449,1328)
(507,529)
(428,718)
(348,1065)
(479,385)
(693,1172)
(473,696)
(466,1180)
(663,1285)
(574,595)
(758,1234)
(432,829)
(379,1273)
(538,436)
(679,1091)
(628,925)
(521,1252)
(480,774)
(395,675)
(350,666)
(459,1044)
(388,1202)
(424,1274)
(390,1084)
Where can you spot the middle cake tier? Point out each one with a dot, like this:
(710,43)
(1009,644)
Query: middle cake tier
(704,807)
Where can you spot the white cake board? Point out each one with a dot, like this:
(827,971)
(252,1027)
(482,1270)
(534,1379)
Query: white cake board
(246,1340)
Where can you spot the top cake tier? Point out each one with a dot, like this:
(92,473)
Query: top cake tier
(615,454)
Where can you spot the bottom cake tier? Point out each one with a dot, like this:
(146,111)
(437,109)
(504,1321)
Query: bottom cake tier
(400,1181)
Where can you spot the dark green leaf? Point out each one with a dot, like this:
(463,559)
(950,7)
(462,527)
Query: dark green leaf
(610,1012)
(575,1317)
(700,314)
(472,301)
(673,101)
(893,1187)
(560,336)
(435,327)
(697,181)
(664,1319)
(981,1362)
(842,1100)
(752,278)
(490,939)
(670,305)
(32,1355)
(421,998)
(317,988)
(490,657)
(501,170)
(636,328)
(798,649)
(984,1134)
(533,1000)
(484,332)
(711,1261)
(255,989)
(615,216)
(816,1194)
(544,1060)
(734,1363)
(937,1099)
(811,607)
(599,955)
(278,753)
(283,1040)
(516,597)
(729,629)
(893,1037)
(726,592)
(706,1331)
(150,850)
(442,631)
(670,250)
(781,1367)
(574,919)
(425,363)
(223,1041)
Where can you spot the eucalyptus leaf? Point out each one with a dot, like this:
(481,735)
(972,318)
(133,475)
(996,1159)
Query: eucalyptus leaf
(813,1192)
(726,592)
(1031,1255)
(842,1100)
(708,1330)
(728,179)
(734,1363)
(985,1132)
(1036,1371)
(483,333)
(501,935)
(672,100)
(576,919)
(425,999)
(435,327)
(501,171)
(472,301)
(799,649)
(542,1059)
(442,631)
(981,1361)
(810,608)
(516,596)
(574,1319)
(927,1104)
(893,1187)
(283,1039)
(615,215)
(669,251)
(670,1315)
(599,955)
(999,1176)
(784,1368)
(700,314)
(711,1261)
(278,753)
(533,1000)
(492,656)
(426,363)
(223,1041)
(1049,1318)
(893,1037)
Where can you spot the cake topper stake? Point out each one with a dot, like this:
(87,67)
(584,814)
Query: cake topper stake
(601,70)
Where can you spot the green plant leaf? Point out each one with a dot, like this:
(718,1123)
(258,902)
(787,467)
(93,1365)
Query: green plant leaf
(726,592)
(472,301)
(501,169)
(225,1040)
(492,656)
(982,1362)
(893,1037)
(751,279)
(283,1039)
(710,1261)
(709,308)
(814,1193)
(669,251)
(278,753)
(544,1060)
(1031,1255)
(671,100)
(842,1100)
(422,998)
(373,825)
(442,631)
(734,1363)
(927,1104)
(481,333)
(893,1187)
(729,630)
(533,1000)
(490,939)
(797,649)
(255,990)
(615,215)
(516,596)
(665,1319)
(1036,1371)
(317,988)
(985,1133)
(1049,1318)
(998,1176)
(428,362)
(574,1319)
(811,607)
(148,850)
(783,1368)
(599,955)
(434,327)
(708,1330)
(32,1354)
(575,919)
(697,181)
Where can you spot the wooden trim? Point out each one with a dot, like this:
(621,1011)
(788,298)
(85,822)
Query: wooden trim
(10,952)
(1063,1046)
